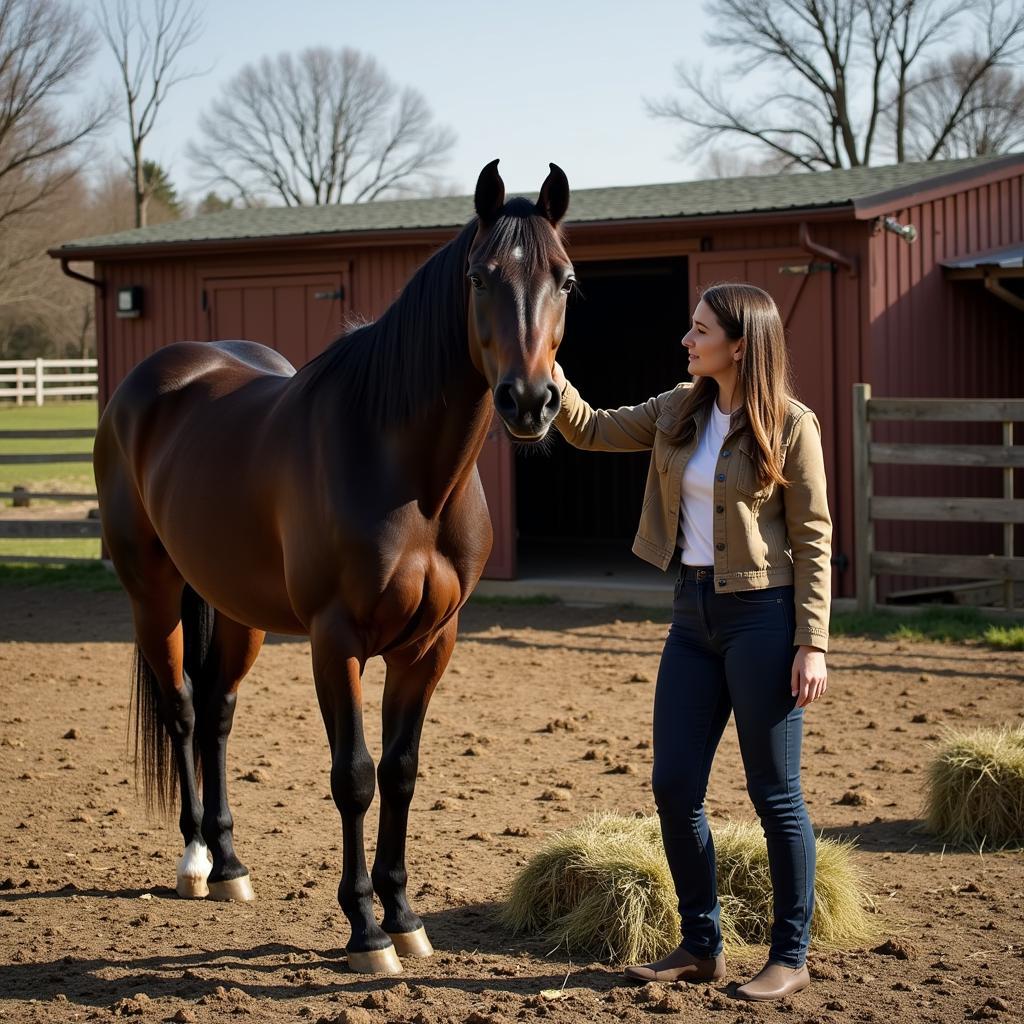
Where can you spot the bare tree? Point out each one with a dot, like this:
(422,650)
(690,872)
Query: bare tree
(45,47)
(147,54)
(845,72)
(42,312)
(940,122)
(724,162)
(325,126)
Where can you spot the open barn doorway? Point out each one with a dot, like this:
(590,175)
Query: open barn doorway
(577,512)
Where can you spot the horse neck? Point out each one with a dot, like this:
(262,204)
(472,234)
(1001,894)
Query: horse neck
(441,447)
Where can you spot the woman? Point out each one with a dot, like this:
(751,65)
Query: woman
(737,486)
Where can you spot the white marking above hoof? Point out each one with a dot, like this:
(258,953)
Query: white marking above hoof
(193,870)
(234,890)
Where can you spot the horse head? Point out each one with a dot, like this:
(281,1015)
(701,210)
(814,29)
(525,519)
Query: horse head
(520,277)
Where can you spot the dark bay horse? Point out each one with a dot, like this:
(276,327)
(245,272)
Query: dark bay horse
(342,502)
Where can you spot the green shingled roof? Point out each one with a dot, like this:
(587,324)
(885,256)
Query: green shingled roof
(758,194)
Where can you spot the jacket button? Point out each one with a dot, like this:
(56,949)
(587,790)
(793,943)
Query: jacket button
(721,583)
(719,508)
(725,454)
(719,547)
(720,477)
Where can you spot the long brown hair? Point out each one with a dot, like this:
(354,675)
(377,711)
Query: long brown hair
(764,376)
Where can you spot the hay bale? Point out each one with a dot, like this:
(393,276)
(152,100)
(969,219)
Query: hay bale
(604,888)
(841,915)
(975,793)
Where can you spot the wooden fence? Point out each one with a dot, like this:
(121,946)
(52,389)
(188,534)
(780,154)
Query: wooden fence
(38,378)
(46,529)
(1005,567)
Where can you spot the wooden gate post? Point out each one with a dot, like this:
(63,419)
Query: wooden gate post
(863,526)
(1008,584)
(39,382)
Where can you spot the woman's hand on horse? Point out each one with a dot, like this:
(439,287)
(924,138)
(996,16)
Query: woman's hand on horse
(809,679)
(558,377)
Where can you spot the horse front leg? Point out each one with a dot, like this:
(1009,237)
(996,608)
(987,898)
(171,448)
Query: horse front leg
(407,691)
(338,676)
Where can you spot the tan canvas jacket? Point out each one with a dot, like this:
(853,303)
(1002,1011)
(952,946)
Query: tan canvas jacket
(764,536)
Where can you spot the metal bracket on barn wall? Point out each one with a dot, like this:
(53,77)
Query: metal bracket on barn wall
(815,249)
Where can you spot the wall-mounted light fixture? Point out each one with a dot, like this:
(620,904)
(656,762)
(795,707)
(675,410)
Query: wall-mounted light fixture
(906,231)
(129,302)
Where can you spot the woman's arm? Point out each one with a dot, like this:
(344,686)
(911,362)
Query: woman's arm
(809,527)
(629,428)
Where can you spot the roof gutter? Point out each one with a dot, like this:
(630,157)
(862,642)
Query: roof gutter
(65,260)
(816,249)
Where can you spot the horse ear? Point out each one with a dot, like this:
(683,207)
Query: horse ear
(553,200)
(490,194)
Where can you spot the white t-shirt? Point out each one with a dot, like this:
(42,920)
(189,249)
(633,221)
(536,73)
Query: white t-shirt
(696,511)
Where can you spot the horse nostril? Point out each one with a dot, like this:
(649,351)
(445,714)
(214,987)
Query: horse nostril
(505,401)
(554,402)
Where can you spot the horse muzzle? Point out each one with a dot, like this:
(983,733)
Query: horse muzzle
(527,408)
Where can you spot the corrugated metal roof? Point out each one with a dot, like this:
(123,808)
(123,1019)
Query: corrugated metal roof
(721,196)
(1008,257)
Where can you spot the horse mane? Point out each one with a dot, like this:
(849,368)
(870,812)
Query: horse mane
(395,367)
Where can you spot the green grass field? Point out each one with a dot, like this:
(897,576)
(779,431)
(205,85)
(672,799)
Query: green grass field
(64,477)
(945,623)
(70,476)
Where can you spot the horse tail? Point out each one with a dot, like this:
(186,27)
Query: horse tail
(154,755)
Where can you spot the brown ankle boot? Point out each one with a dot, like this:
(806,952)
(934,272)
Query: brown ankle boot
(774,981)
(679,965)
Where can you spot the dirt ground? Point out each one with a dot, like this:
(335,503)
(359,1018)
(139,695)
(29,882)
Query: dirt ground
(91,927)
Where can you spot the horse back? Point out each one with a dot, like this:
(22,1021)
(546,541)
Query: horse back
(164,395)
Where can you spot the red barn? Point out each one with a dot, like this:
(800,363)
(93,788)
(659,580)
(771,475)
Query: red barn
(860,300)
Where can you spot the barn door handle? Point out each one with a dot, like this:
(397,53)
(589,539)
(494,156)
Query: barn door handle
(339,294)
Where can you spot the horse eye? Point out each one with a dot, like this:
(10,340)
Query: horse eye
(570,283)
(476,282)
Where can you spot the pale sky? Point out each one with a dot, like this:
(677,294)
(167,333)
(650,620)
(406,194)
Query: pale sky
(529,82)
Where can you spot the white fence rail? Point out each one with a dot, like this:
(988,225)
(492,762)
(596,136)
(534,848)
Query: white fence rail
(37,379)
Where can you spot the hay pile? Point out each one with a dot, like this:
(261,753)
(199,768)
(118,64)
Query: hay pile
(603,887)
(976,788)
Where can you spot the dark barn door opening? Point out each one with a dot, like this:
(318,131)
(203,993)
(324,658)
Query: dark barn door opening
(580,509)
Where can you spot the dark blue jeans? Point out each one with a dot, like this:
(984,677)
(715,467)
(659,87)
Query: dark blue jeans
(732,653)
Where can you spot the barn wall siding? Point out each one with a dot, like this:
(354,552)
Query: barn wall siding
(932,337)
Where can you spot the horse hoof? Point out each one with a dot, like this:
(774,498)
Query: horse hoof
(192,888)
(235,890)
(193,870)
(412,944)
(375,961)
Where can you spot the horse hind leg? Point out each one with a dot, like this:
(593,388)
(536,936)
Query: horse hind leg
(233,651)
(165,725)
(166,654)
